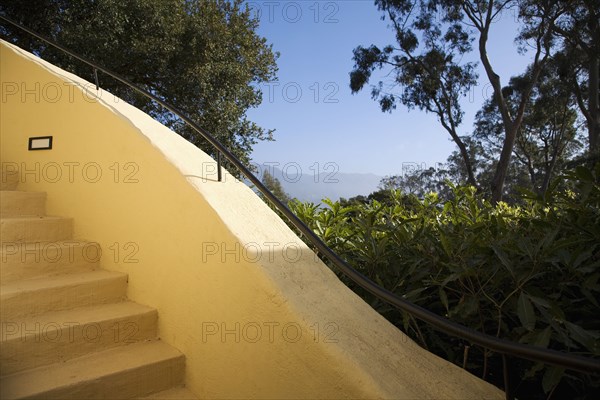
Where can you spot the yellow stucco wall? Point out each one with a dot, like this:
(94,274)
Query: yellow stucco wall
(250,306)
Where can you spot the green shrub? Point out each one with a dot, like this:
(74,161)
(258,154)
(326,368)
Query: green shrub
(527,273)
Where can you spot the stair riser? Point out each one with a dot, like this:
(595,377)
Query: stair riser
(22,203)
(22,304)
(29,346)
(31,260)
(36,230)
(124,385)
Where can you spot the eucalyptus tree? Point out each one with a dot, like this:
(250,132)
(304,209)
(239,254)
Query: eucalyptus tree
(427,62)
(578,28)
(427,73)
(550,133)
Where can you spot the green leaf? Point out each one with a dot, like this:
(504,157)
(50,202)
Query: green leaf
(583,256)
(450,278)
(584,337)
(540,301)
(466,308)
(526,312)
(548,240)
(557,313)
(412,295)
(530,373)
(543,338)
(503,258)
(591,282)
(444,298)
(552,377)
(446,244)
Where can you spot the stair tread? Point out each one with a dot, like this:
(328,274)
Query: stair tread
(31,285)
(178,393)
(63,243)
(86,368)
(66,244)
(21,191)
(30,217)
(84,315)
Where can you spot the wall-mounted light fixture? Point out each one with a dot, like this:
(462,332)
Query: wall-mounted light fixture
(40,143)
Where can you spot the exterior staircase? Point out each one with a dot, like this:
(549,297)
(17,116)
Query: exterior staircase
(67,328)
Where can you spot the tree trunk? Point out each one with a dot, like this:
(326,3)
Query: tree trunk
(550,169)
(466,158)
(532,174)
(510,128)
(451,129)
(503,163)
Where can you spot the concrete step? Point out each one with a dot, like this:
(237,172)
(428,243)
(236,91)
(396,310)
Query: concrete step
(15,203)
(35,229)
(61,335)
(20,260)
(122,372)
(9,178)
(36,296)
(178,393)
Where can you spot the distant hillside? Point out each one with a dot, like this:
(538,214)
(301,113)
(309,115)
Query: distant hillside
(332,185)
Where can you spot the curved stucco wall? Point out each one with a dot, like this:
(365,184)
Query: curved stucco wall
(251,307)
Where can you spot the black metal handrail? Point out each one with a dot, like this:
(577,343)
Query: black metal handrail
(503,346)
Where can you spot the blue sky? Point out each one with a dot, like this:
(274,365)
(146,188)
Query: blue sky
(319,121)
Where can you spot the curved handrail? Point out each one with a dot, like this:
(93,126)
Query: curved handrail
(503,346)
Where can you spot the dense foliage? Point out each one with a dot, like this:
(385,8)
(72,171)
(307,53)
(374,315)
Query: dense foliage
(205,57)
(528,273)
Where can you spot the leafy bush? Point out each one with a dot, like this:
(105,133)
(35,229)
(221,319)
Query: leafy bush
(527,273)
